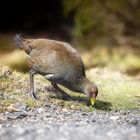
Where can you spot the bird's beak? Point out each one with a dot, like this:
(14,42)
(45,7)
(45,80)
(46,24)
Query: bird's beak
(92,101)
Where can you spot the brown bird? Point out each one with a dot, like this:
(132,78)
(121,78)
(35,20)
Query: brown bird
(59,63)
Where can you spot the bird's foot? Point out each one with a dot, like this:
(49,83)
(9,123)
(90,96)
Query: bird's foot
(54,91)
(33,96)
(65,96)
(58,92)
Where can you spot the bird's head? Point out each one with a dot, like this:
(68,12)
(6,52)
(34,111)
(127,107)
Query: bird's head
(92,91)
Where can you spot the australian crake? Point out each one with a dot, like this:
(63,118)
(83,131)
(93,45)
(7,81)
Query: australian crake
(59,63)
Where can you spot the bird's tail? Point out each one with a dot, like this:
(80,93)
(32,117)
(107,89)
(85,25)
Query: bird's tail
(19,41)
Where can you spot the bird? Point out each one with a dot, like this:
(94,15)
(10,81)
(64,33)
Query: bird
(59,63)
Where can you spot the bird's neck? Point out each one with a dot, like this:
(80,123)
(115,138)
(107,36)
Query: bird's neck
(84,84)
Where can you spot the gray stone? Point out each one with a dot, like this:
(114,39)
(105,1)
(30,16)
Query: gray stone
(52,123)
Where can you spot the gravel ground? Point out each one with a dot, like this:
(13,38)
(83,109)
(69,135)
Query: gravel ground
(53,122)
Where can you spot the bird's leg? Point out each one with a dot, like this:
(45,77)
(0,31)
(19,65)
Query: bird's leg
(64,94)
(32,94)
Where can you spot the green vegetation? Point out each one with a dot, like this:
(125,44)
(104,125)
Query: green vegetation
(107,36)
(115,58)
(116,91)
(120,91)
(98,19)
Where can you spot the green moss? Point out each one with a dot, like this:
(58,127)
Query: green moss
(116,91)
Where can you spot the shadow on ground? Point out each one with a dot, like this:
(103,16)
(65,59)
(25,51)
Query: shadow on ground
(103,105)
(100,105)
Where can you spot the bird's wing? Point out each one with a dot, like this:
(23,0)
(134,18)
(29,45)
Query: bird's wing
(55,57)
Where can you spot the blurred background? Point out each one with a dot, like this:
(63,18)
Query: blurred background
(105,32)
